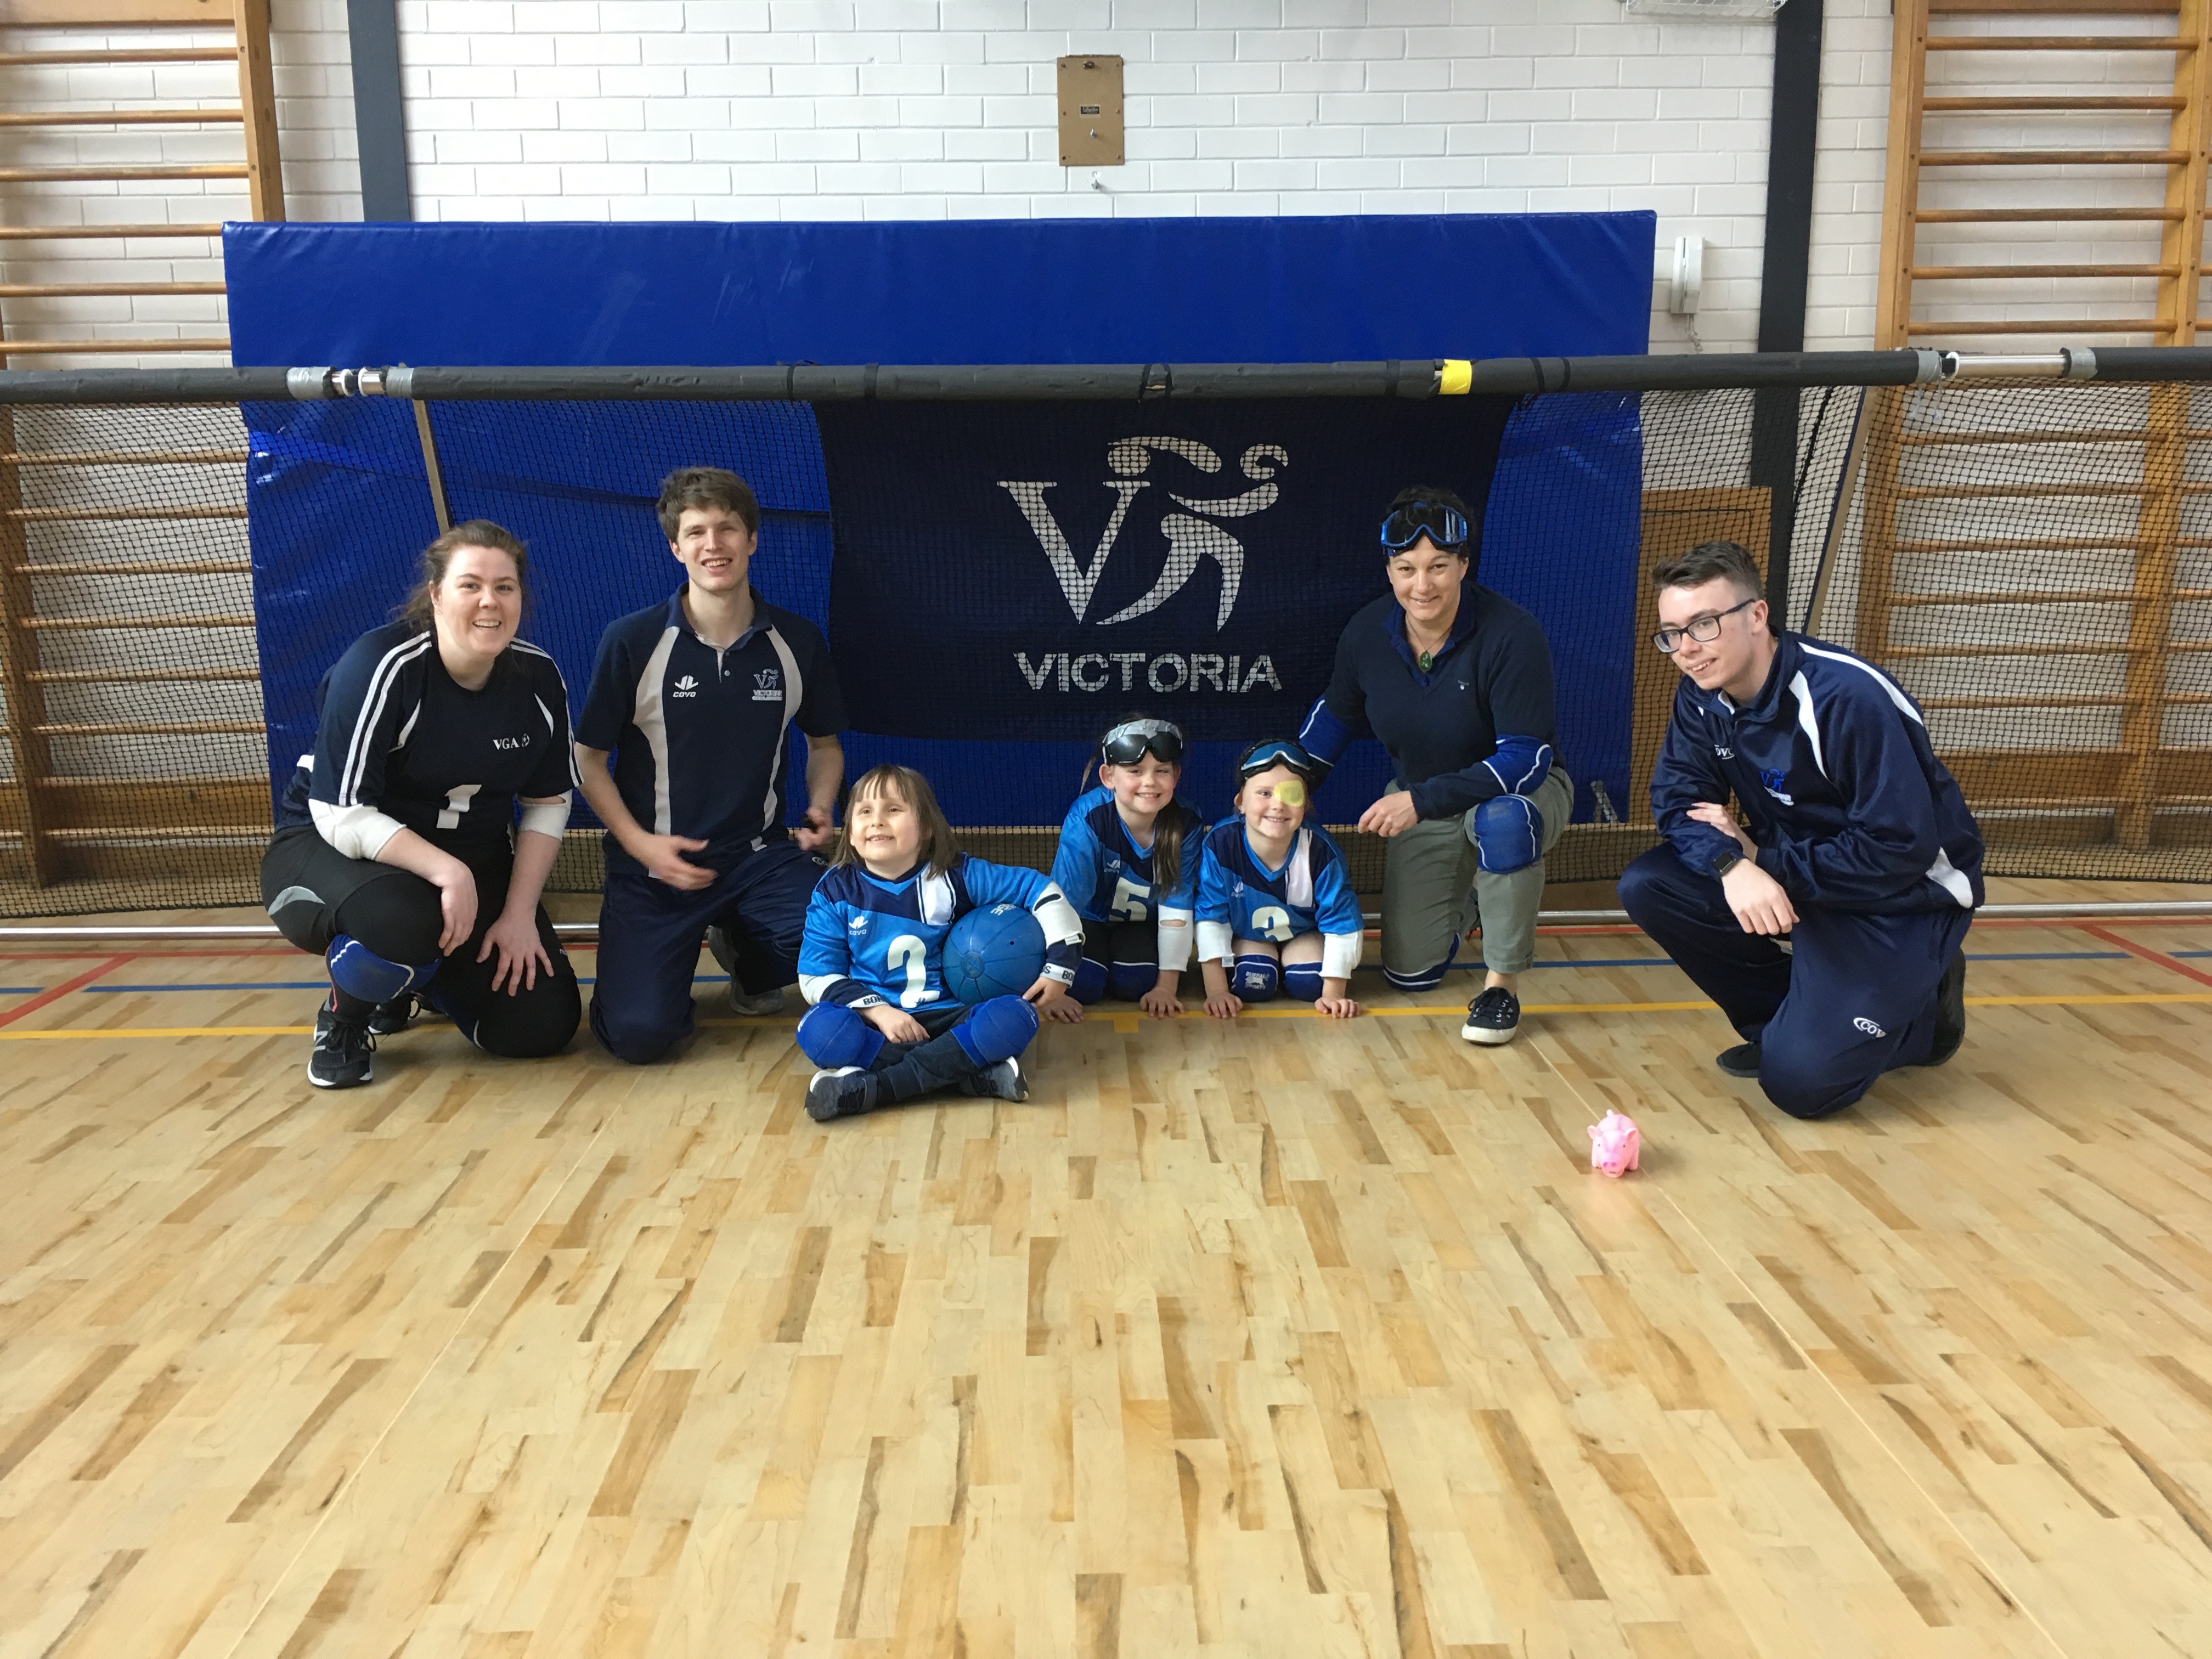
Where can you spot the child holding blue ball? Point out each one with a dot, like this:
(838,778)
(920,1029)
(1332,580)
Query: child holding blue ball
(1129,863)
(1275,909)
(882,1026)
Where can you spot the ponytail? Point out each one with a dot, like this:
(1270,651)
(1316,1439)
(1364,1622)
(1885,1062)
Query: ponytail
(1167,845)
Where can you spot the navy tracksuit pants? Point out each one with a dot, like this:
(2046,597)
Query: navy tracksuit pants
(1854,995)
(649,938)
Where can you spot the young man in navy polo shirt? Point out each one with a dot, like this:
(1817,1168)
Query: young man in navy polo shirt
(694,698)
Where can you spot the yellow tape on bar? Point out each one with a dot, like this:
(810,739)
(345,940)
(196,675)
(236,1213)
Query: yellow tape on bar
(1455,377)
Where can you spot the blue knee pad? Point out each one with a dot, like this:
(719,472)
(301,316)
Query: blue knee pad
(1302,980)
(1255,978)
(831,1034)
(1129,981)
(1091,980)
(998,1030)
(1509,834)
(360,972)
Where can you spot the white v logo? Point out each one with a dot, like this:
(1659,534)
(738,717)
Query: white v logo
(1075,582)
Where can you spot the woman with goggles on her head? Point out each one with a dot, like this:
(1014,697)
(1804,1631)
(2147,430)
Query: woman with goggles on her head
(1129,863)
(1456,682)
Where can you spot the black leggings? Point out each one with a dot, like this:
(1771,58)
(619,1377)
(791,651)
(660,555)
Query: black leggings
(313,893)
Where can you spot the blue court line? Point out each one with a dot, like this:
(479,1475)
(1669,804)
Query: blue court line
(21,990)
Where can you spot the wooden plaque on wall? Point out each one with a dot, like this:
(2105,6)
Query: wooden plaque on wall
(1090,112)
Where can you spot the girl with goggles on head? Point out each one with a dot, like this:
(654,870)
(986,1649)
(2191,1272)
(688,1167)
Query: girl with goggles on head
(1127,861)
(1275,909)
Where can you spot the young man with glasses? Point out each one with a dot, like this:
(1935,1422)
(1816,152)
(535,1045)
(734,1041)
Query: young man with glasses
(1855,846)
(1456,682)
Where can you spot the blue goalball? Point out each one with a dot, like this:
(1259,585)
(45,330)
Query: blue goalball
(996,951)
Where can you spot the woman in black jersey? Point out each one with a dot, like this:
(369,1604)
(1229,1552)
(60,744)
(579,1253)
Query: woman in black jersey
(397,853)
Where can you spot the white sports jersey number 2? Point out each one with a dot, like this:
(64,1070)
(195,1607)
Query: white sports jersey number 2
(1272,922)
(911,954)
(1129,901)
(457,802)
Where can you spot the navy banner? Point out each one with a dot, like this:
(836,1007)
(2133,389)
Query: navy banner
(1018,572)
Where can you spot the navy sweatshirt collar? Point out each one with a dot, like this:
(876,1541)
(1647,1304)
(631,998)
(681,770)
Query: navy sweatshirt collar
(1462,626)
(1779,674)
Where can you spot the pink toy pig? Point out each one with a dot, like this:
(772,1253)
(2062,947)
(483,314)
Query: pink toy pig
(1615,1146)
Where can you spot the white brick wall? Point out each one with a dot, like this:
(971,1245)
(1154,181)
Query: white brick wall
(853,109)
(850,109)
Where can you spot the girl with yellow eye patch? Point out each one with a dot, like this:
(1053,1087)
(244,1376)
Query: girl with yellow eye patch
(1276,912)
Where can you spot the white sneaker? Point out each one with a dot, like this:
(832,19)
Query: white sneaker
(756,1004)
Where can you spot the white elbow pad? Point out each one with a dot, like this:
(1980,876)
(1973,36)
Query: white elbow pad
(815,986)
(1339,955)
(359,832)
(546,817)
(1215,942)
(1057,917)
(1175,939)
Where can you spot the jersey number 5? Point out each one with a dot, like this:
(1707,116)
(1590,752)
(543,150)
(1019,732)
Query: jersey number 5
(911,954)
(1129,901)
(1272,922)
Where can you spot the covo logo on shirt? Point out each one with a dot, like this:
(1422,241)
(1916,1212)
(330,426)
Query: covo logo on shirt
(686,687)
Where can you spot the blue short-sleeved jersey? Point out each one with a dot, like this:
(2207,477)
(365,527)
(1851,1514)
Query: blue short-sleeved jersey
(870,942)
(1106,876)
(699,734)
(1309,893)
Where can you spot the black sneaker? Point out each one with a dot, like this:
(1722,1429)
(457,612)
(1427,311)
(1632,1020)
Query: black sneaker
(1742,1060)
(392,1017)
(841,1093)
(1492,1017)
(1001,1081)
(343,1047)
(1950,1012)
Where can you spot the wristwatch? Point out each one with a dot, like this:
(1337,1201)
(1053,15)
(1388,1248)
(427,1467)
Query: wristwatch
(1728,864)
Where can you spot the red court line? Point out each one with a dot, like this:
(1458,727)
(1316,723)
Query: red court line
(62,990)
(2147,954)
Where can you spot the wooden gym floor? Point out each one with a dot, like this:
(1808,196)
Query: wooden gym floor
(1286,1337)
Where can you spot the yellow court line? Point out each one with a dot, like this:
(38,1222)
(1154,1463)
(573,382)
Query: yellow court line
(1127,1022)
(162,1031)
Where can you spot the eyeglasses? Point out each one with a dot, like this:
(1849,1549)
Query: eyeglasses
(1704,629)
(1444,526)
(1277,751)
(1127,744)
